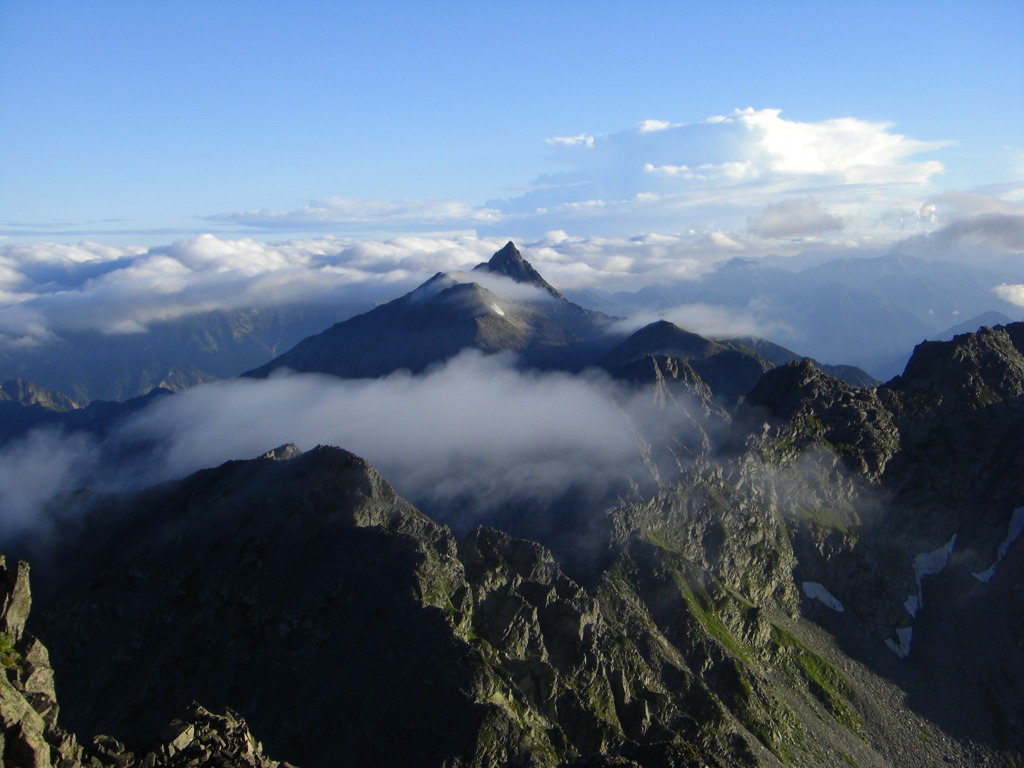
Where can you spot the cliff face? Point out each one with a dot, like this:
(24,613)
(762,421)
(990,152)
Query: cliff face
(28,709)
(907,500)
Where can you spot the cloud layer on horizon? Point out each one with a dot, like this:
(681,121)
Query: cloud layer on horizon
(50,288)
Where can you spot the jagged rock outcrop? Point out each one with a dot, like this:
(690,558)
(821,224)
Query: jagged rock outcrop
(32,736)
(903,497)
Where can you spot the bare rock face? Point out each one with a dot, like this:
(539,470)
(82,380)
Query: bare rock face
(199,740)
(903,496)
(31,735)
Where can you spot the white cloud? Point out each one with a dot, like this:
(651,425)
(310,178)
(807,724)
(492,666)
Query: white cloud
(1011,293)
(660,175)
(718,173)
(649,126)
(571,141)
(794,218)
(52,288)
(855,150)
(35,468)
(437,437)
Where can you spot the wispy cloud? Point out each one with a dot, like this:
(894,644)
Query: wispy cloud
(332,212)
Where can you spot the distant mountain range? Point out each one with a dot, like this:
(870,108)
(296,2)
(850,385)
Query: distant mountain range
(867,313)
(446,315)
(175,354)
(502,305)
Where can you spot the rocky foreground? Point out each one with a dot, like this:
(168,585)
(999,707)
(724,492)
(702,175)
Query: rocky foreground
(33,735)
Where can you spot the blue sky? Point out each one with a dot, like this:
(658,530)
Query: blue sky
(141,123)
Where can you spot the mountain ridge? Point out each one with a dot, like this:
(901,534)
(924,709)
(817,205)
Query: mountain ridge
(772,604)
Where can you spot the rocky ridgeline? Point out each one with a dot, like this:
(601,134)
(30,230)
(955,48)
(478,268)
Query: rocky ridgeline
(32,736)
(803,594)
(900,495)
(305,581)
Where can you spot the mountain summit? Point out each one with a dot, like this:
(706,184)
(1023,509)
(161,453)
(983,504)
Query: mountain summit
(446,315)
(509,262)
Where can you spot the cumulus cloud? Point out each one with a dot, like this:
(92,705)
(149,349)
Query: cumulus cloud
(719,172)
(793,218)
(975,218)
(660,175)
(1011,293)
(49,288)
(473,428)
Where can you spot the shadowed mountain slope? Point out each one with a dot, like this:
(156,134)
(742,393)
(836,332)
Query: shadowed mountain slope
(511,308)
(348,628)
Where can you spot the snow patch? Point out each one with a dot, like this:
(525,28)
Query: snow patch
(901,646)
(498,310)
(912,604)
(1013,532)
(816,591)
(928,564)
(925,564)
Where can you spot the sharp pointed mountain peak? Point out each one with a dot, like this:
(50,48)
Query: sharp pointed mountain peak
(509,262)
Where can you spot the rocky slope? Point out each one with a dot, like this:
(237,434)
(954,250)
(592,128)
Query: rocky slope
(914,532)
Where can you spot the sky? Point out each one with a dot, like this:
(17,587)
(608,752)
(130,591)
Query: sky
(164,159)
(143,123)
